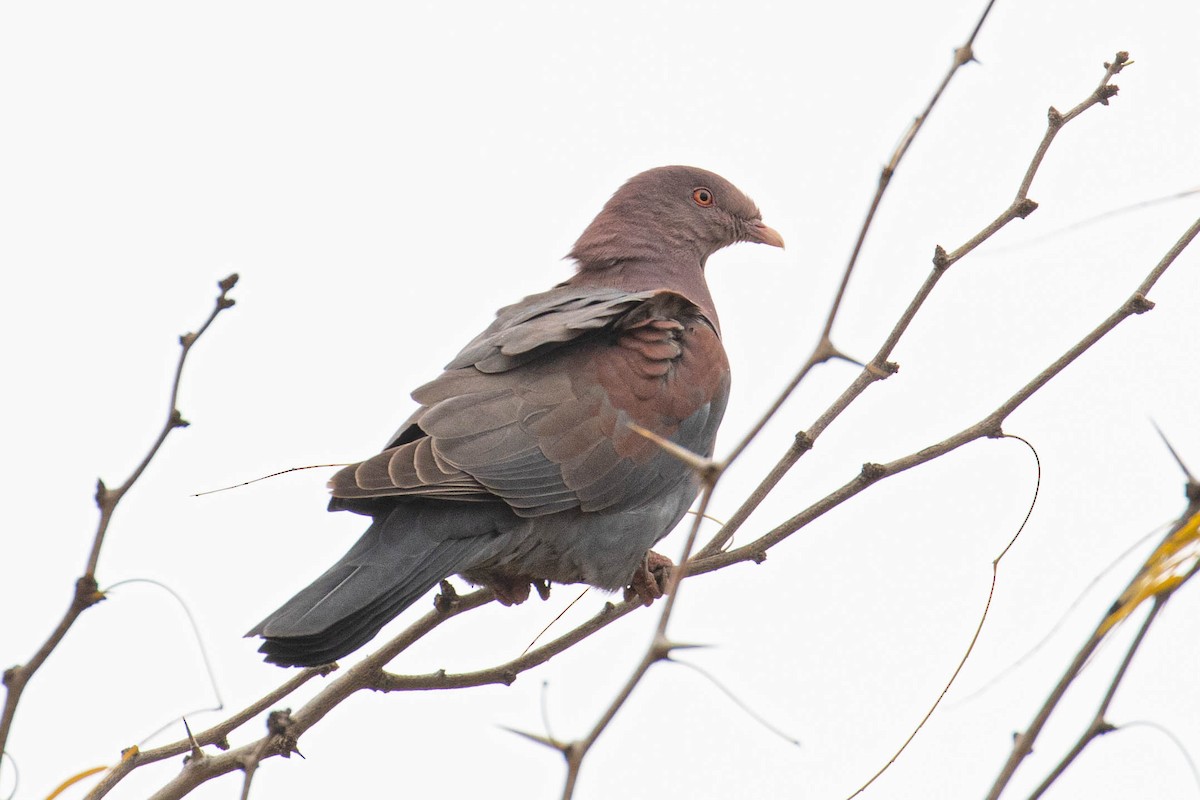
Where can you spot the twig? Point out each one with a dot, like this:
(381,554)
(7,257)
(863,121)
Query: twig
(1099,724)
(87,592)
(988,427)
(659,649)
(370,673)
(825,349)
(217,735)
(879,367)
(1023,742)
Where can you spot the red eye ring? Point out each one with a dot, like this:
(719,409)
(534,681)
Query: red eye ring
(702,197)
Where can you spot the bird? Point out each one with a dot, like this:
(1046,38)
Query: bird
(523,465)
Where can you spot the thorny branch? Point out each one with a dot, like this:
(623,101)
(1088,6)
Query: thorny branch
(87,592)
(879,367)
(284,728)
(370,673)
(1099,724)
(825,349)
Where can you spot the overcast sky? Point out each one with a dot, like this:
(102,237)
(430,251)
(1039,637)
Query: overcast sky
(384,176)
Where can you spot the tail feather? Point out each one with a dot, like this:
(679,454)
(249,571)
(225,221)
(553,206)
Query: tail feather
(400,557)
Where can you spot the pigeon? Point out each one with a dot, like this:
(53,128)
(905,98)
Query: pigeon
(523,464)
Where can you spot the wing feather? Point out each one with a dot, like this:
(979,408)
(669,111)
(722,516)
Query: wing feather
(535,411)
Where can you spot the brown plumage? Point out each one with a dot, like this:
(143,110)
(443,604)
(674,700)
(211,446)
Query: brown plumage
(520,466)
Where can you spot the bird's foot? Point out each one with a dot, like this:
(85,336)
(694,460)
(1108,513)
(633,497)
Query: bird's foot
(514,591)
(510,592)
(651,578)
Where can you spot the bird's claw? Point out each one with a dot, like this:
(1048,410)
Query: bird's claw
(651,579)
(514,591)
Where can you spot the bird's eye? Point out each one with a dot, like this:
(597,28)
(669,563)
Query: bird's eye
(702,197)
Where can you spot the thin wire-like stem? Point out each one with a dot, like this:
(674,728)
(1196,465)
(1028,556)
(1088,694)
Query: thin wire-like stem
(87,592)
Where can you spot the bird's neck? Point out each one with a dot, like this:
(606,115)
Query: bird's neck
(684,276)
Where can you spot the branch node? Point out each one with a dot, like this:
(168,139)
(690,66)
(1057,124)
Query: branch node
(446,600)
(279,726)
(87,592)
(941,261)
(102,496)
(1106,91)
(508,677)
(1024,207)
(186,340)
(872,472)
(1139,304)
(1104,726)
(802,442)
(882,371)
(177,420)
(758,556)
(963,55)
(1119,62)
(1054,117)
(10,674)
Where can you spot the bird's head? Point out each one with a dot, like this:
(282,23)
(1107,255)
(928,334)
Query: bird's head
(669,213)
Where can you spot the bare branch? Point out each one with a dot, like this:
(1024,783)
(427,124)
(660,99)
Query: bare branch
(1023,742)
(825,349)
(87,592)
(879,367)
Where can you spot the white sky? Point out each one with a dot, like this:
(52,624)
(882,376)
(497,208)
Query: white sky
(384,176)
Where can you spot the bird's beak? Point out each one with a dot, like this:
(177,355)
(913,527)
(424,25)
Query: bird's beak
(758,232)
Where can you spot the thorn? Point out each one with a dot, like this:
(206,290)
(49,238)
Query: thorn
(1175,455)
(197,754)
(533,737)
(663,647)
(835,353)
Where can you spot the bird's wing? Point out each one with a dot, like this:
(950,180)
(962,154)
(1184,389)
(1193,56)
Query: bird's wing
(536,411)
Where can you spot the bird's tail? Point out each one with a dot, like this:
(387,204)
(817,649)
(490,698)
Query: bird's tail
(401,556)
